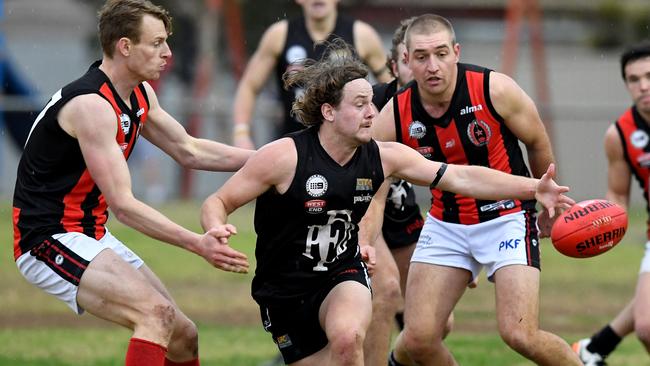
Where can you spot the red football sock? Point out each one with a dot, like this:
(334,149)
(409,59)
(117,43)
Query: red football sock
(194,362)
(145,353)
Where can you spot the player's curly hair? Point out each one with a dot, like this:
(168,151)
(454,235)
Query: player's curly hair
(323,81)
(122,18)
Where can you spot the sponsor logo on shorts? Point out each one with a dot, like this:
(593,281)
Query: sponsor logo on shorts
(364,184)
(363,198)
(425,241)
(316,185)
(283,341)
(58,259)
(509,244)
(315,206)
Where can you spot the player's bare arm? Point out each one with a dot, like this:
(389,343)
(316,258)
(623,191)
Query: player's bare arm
(371,51)
(168,134)
(618,170)
(522,118)
(107,166)
(405,163)
(257,71)
(272,167)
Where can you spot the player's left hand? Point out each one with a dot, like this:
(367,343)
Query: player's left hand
(550,194)
(215,249)
(368,255)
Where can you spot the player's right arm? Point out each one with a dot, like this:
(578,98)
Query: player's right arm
(257,71)
(618,170)
(272,167)
(91,120)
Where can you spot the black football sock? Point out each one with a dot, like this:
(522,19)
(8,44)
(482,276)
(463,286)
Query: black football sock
(604,342)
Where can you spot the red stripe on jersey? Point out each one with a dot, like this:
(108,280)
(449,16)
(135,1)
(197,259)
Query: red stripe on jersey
(636,156)
(100,217)
(17,236)
(72,212)
(454,154)
(497,154)
(405,114)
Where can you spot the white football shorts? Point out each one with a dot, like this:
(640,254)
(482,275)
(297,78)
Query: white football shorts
(57,264)
(507,240)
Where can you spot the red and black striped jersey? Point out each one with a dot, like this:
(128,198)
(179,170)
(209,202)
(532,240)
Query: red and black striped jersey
(54,191)
(470,132)
(634,133)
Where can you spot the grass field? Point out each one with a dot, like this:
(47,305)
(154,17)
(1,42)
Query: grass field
(577,298)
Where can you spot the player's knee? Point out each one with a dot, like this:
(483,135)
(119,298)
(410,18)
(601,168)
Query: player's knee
(519,339)
(159,316)
(386,295)
(186,333)
(418,344)
(347,344)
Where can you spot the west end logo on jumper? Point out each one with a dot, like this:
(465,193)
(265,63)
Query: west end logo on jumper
(417,130)
(639,139)
(316,185)
(125,123)
(479,133)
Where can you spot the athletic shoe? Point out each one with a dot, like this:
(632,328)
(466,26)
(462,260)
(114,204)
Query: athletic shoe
(587,357)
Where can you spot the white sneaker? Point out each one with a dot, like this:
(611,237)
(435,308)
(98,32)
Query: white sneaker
(587,357)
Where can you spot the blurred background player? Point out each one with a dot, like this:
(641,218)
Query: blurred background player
(627,146)
(466,114)
(285,45)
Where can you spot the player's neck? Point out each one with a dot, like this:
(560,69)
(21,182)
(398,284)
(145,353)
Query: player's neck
(319,29)
(437,104)
(339,151)
(119,77)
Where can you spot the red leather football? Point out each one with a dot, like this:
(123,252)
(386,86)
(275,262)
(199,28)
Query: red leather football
(589,228)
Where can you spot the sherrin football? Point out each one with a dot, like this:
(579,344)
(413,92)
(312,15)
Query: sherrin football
(589,228)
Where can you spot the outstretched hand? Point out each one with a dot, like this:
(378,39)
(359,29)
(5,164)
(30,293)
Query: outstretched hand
(550,194)
(215,250)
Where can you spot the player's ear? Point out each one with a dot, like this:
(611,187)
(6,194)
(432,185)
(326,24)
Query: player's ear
(123,46)
(327,110)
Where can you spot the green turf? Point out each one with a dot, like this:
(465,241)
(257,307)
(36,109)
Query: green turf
(577,297)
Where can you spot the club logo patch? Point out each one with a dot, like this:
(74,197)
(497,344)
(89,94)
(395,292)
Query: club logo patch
(639,139)
(364,184)
(316,185)
(479,133)
(417,130)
